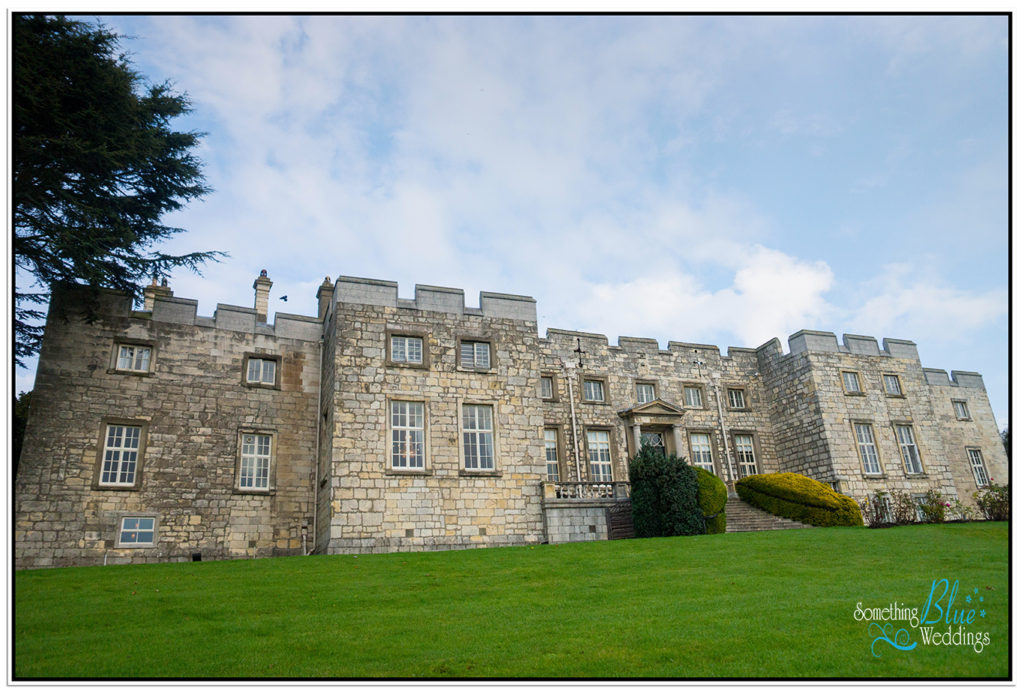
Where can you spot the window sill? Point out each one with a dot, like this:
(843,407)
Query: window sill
(464,369)
(408,472)
(405,364)
(739,410)
(108,487)
(140,374)
(473,472)
(855,394)
(892,396)
(262,386)
(254,491)
(548,399)
(959,419)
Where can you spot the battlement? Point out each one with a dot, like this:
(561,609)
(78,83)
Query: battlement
(814,340)
(938,377)
(377,292)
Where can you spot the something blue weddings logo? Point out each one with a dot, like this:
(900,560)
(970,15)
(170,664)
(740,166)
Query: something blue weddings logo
(940,622)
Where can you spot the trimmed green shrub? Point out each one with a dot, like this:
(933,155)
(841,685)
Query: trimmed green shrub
(711,496)
(663,494)
(799,498)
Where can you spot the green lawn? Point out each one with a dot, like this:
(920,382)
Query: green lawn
(768,604)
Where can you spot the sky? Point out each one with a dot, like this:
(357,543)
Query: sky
(715,179)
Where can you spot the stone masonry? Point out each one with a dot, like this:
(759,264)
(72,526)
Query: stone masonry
(393,424)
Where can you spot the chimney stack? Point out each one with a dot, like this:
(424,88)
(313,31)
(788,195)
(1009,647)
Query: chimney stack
(323,297)
(262,286)
(150,293)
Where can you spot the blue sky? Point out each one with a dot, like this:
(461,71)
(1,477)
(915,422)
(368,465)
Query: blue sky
(723,180)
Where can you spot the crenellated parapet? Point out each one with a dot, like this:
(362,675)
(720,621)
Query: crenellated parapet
(938,378)
(377,292)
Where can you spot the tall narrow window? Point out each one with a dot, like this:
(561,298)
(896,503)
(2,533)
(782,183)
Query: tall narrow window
(978,467)
(908,449)
(960,409)
(892,385)
(745,454)
(551,452)
(547,387)
(693,397)
(406,349)
(407,428)
(120,455)
(600,453)
(131,357)
(737,398)
(254,470)
(478,436)
(475,355)
(700,448)
(868,451)
(644,393)
(851,382)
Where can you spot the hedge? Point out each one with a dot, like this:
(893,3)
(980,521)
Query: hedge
(799,498)
(663,495)
(711,496)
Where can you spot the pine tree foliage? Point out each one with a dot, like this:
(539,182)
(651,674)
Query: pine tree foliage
(96,166)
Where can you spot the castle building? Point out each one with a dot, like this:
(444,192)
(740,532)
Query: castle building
(396,424)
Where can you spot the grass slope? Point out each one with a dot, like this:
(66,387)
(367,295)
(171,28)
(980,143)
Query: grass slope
(768,604)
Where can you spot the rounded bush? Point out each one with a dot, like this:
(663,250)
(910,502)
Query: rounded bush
(663,494)
(799,498)
(711,496)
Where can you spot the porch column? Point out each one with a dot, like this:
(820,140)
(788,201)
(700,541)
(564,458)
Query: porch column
(636,438)
(677,439)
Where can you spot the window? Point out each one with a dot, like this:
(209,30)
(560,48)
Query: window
(475,355)
(887,508)
(892,385)
(960,409)
(121,449)
(700,449)
(137,531)
(593,391)
(600,453)
(547,387)
(693,397)
(261,371)
(406,349)
(134,358)
(866,446)
(981,477)
(908,449)
(919,500)
(478,437)
(551,452)
(745,454)
(645,393)
(737,398)
(653,439)
(254,466)
(407,439)
(851,382)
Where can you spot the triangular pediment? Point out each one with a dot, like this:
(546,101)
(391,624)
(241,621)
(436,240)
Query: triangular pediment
(655,407)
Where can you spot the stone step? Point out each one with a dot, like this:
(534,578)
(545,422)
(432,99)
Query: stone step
(743,517)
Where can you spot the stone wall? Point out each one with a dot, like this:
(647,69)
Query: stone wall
(192,406)
(570,520)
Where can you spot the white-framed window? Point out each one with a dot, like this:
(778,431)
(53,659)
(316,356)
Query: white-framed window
(551,453)
(136,530)
(593,390)
(693,397)
(981,477)
(908,449)
(475,354)
(547,387)
(120,455)
(134,358)
(886,502)
(254,461)
(851,382)
(700,449)
(406,349)
(960,409)
(408,435)
(645,393)
(261,371)
(867,449)
(745,454)
(737,398)
(892,384)
(599,450)
(478,436)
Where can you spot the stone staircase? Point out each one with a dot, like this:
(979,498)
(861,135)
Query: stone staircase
(742,517)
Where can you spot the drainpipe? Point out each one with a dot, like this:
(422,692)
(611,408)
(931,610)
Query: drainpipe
(572,413)
(729,471)
(316,465)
